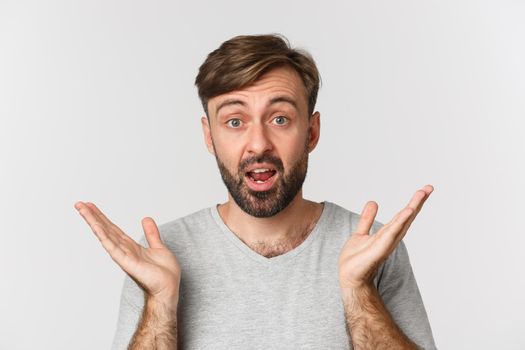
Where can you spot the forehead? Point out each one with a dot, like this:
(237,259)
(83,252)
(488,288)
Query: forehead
(282,78)
(280,81)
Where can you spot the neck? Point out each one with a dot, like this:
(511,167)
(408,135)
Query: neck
(287,228)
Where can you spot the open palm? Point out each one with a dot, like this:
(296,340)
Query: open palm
(363,253)
(155,269)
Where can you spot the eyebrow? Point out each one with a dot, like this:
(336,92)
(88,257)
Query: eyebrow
(276,99)
(229,102)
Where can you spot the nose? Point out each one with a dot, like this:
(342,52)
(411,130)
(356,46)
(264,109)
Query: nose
(258,140)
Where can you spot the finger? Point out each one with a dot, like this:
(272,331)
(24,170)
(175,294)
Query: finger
(100,215)
(93,220)
(88,215)
(367,218)
(152,233)
(416,203)
(420,197)
(116,233)
(98,228)
(110,245)
(108,241)
(119,253)
(393,232)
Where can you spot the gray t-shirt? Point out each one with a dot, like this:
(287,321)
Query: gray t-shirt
(234,298)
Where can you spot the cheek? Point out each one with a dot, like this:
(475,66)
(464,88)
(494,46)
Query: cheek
(295,146)
(292,153)
(229,155)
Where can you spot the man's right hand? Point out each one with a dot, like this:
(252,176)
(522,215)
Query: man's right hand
(155,269)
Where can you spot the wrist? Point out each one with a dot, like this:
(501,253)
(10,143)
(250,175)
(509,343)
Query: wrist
(167,302)
(359,294)
(357,287)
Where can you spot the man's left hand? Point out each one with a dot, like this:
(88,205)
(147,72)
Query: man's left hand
(363,253)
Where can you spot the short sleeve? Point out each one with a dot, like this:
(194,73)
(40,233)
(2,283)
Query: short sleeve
(130,310)
(397,286)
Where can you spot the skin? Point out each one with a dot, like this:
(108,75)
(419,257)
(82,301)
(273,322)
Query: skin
(369,323)
(158,272)
(260,134)
(155,269)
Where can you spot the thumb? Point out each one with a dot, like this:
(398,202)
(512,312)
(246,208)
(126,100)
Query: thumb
(152,233)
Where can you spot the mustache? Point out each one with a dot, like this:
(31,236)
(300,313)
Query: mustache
(265,158)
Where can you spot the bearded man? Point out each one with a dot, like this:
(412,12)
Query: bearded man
(267,269)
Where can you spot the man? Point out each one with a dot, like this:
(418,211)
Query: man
(268,269)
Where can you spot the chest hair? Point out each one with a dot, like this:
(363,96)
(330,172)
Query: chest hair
(270,249)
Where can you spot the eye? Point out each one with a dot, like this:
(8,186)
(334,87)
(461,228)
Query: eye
(281,120)
(234,122)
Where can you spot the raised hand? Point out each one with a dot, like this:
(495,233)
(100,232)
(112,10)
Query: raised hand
(363,253)
(155,269)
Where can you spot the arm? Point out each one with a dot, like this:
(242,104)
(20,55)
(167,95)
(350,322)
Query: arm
(157,327)
(154,269)
(369,323)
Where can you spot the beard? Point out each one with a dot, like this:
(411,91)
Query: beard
(263,204)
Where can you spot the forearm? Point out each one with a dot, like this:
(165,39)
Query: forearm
(369,323)
(157,329)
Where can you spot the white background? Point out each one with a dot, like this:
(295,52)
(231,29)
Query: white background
(97,103)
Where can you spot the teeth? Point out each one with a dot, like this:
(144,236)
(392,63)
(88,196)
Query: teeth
(260,170)
(260,182)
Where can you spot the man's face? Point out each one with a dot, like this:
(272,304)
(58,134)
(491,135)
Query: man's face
(261,137)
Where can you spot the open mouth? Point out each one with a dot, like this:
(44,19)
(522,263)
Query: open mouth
(261,179)
(260,176)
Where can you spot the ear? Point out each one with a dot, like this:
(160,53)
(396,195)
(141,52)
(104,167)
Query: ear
(207,134)
(314,131)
